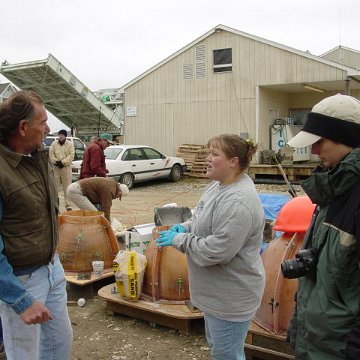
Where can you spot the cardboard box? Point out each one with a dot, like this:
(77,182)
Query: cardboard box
(138,237)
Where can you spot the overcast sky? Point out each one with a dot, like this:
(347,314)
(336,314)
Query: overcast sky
(108,43)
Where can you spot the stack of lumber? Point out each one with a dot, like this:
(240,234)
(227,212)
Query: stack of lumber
(199,167)
(188,152)
(195,158)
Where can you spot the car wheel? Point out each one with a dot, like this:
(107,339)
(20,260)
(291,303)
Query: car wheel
(128,180)
(175,174)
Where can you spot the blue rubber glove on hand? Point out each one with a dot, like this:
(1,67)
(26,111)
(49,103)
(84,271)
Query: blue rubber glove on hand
(166,238)
(177,228)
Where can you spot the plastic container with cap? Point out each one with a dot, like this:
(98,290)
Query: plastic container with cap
(295,215)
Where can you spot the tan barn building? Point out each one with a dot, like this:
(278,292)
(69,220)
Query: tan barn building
(228,81)
(344,55)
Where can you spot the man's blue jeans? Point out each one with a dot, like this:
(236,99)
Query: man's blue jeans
(49,340)
(226,338)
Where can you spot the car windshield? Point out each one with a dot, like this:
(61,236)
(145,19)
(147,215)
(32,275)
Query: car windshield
(112,153)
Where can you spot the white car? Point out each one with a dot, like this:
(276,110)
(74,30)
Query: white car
(130,164)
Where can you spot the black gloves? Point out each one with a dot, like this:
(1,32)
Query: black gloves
(59,164)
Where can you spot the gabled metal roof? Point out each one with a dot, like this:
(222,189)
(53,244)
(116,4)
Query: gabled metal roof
(350,71)
(339,47)
(64,95)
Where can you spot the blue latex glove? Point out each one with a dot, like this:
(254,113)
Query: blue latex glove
(177,228)
(166,238)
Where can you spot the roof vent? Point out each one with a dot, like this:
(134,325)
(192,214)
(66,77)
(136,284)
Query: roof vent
(188,71)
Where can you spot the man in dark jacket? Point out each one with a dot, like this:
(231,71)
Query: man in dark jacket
(32,281)
(93,163)
(327,321)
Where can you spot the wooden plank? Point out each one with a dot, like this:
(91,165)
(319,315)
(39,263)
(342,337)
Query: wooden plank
(86,288)
(258,330)
(190,147)
(293,172)
(262,344)
(266,354)
(202,176)
(198,168)
(184,325)
(180,311)
(269,170)
(72,278)
(177,316)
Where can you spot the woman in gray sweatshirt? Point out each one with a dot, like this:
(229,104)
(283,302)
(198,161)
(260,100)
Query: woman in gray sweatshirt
(222,242)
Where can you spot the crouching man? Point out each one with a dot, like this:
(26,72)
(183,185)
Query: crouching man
(86,194)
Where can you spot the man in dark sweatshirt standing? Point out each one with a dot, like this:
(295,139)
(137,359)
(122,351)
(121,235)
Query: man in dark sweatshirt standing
(93,163)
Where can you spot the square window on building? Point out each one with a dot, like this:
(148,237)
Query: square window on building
(223,60)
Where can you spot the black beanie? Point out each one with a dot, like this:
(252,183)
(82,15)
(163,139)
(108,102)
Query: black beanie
(64,132)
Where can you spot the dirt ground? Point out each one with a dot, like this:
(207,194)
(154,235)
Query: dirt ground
(99,335)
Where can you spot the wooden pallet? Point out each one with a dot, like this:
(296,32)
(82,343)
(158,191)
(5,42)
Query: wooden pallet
(171,315)
(199,166)
(189,153)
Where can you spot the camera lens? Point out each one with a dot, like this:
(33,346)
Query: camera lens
(293,269)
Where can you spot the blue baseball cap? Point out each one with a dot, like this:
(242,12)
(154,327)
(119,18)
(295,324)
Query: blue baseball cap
(107,137)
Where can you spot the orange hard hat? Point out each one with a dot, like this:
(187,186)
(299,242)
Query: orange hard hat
(295,215)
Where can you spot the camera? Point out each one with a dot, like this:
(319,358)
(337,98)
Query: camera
(304,264)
